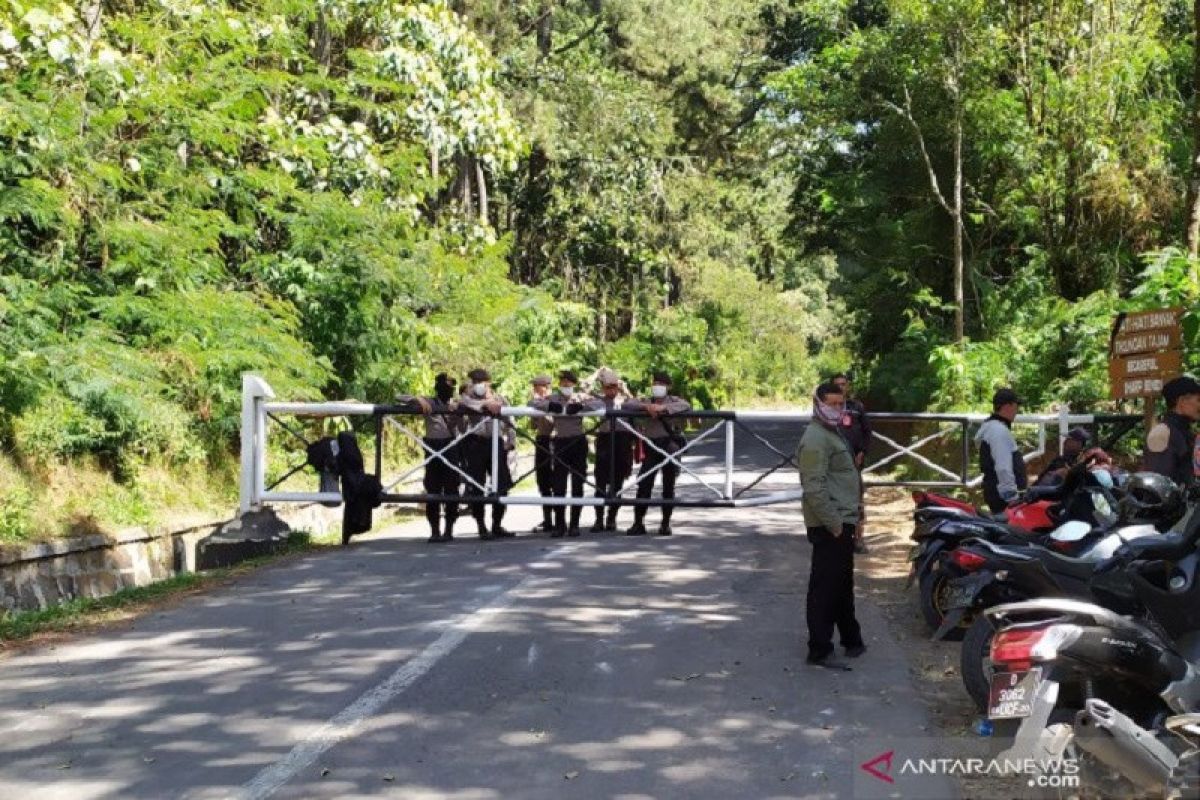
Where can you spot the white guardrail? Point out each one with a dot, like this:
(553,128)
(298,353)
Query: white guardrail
(259,406)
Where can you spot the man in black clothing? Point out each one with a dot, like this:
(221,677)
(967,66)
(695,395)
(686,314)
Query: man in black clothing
(1076,440)
(856,428)
(1171,445)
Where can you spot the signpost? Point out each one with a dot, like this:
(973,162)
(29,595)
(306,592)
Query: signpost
(1145,352)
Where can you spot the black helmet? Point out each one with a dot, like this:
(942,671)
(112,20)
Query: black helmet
(1150,497)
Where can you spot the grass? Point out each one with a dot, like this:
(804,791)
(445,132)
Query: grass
(86,612)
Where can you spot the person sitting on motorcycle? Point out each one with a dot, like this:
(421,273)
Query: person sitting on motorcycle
(1073,451)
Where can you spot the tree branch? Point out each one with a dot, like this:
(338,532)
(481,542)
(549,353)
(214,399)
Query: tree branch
(905,114)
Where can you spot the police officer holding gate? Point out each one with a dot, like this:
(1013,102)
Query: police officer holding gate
(543,455)
(570,445)
(614,450)
(477,451)
(440,430)
(664,438)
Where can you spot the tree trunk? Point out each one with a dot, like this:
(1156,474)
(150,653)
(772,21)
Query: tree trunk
(959,300)
(1193,194)
(481,187)
(545,30)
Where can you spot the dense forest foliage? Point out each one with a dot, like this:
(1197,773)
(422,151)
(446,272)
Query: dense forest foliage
(348,197)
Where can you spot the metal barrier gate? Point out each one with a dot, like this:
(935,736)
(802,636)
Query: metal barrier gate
(731,433)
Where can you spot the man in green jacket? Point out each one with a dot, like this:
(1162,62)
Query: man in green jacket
(832,505)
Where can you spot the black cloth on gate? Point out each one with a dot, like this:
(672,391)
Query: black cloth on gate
(669,473)
(360,491)
(570,465)
(441,478)
(830,602)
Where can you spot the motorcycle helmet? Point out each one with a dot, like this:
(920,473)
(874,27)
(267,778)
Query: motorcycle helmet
(1150,497)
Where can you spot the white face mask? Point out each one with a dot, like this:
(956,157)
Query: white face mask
(480,389)
(658,391)
(566,391)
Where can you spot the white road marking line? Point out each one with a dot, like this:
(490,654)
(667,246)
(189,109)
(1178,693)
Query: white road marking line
(348,721)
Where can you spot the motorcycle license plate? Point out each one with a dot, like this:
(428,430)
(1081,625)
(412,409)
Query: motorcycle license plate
(1012,693)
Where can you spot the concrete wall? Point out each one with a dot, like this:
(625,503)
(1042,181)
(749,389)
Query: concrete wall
(43,575)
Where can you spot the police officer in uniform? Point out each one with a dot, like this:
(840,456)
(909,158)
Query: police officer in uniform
(477,451)
(614,449)
(570,446)
(543,456)
(440,430)
(665,437)
(1171,448)
(1000,460)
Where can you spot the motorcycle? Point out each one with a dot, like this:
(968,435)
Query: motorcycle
(981,574)
(1080,680)
(1082,509)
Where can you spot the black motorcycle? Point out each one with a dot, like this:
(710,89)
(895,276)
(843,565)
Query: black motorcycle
(1081,681)
(1085,511)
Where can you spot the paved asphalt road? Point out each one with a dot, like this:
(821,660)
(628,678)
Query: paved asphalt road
(603,667)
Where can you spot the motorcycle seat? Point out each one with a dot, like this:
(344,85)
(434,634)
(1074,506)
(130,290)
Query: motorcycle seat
(1077,567)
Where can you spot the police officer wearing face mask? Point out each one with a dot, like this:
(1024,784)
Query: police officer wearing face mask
(543,456)
(570,446)
(665,437)
(477,451)
(614,449)
(440,430)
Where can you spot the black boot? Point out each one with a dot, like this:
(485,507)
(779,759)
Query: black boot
(611,525)
(436,535)
(498,530)
(484,533)
(599,526)
(637,529)
(664,528)
(448,536)
(574,529)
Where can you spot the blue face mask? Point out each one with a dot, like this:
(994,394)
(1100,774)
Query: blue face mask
(1103,477)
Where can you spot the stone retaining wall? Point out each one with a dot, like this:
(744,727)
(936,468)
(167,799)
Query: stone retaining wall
(43,575)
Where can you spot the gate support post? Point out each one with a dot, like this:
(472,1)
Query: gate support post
(254,440)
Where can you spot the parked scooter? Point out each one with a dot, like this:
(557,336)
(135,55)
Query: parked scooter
(982,574)
(1083,509)
(1083,681)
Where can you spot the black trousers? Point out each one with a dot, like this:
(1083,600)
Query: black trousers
(570,466)
(831,591)
(991,496)
(669,473)
(543,470)
(477,454)
(440,478)
(614,461)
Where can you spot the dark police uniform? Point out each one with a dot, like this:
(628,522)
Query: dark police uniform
(665,440)
(614,462)
(1171,449)
(570,452)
